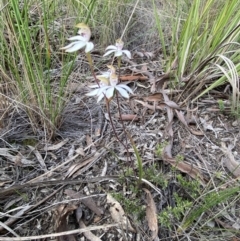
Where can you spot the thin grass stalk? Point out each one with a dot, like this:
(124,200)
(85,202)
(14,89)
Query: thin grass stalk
(209,201)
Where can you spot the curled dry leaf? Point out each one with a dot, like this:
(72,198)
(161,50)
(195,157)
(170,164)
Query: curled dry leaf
(87,201)
(133,77)
(152,107)
(128,117)
(232,165)
(16,159)
(80,151)
(151,214)
(39,157)
(77,166)
(181,117)
(154,97)
(118,214)
(61,216)
(189,169)
(148,55)
(55,147)
(172,104)
(88,234)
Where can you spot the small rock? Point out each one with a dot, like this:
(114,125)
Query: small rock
(235,123)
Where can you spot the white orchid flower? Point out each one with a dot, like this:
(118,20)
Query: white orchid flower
(108,85)
(81,40)
(117,49)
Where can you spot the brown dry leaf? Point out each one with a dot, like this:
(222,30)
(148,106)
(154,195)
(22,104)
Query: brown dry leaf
(133,77)
(181,117)
(118,214)
(89,140)
(80,151)
(154,97)
(128,117)
(87,201)
(39,157)
(190,117)
(151,214)
(61,216)
(232,165)
(148,55)
(167,151)
(151,107)
(235,239)
(16,159)
(163,98)
(55,147)
(22,212)
(144,67)
(184,167)
(89,235)
(75,167)
(171,104)
(169,130)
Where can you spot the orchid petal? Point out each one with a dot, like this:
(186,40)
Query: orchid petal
(109,52)
(118,53)
(100,97)
(127,53)
(68,46)
(104,75)
(75,47)
(89,47)
(113,47)
(93,92)
(94,86)
(123,86)
(103,79)
(122,91)
(113,80)
(103,89)
(79,38)
(110,92)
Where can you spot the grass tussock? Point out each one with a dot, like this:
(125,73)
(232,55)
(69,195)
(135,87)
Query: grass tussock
(204,45)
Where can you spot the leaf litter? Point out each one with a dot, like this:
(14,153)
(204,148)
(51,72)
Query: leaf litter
(55,161)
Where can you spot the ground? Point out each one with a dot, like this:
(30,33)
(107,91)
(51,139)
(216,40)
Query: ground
(188,151)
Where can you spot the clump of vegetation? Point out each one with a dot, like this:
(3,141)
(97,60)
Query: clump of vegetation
(172,215)
(204,45)
(183,203)
(160,148)
(131,206)
(221,105)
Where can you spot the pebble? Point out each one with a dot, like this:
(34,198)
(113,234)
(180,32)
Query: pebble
(235,123)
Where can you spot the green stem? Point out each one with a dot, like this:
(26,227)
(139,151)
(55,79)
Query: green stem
(90,61)
(119,66)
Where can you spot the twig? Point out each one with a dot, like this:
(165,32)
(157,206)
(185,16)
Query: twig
(80,230)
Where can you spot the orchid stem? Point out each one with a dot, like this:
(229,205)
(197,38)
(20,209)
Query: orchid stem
(90,61)
(124,129)
(114,130)
(119,66)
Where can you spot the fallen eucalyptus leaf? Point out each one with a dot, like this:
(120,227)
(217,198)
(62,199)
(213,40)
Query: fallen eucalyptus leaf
(118,214)
(151,214)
